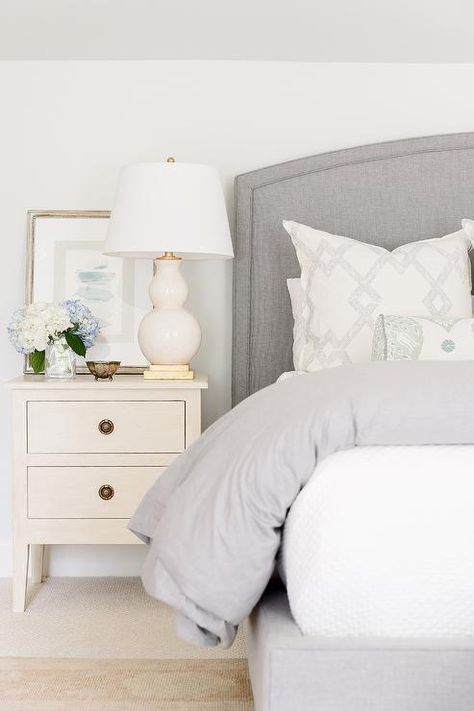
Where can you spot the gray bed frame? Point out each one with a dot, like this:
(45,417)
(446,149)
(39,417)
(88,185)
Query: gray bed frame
(385,194)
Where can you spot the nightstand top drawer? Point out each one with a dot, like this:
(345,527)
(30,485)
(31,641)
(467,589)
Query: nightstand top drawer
(105,427)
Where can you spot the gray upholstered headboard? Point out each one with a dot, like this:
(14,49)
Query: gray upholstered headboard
(385,194)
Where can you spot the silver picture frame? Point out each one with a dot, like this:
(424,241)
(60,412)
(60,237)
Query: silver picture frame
(37,218)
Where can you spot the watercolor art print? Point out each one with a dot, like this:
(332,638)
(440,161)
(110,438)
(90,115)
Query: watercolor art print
(65,261)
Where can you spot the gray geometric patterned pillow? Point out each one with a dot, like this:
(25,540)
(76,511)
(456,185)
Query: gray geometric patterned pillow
(347,284)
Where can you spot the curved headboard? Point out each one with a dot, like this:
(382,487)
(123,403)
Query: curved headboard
(385,194)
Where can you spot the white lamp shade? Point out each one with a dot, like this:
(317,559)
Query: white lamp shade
(169,207)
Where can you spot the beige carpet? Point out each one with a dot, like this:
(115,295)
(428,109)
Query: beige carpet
(124,685)
(95,617)
(101,644)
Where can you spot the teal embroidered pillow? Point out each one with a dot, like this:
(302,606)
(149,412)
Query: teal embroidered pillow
(412,338)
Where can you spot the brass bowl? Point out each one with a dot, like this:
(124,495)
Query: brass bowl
(103,369)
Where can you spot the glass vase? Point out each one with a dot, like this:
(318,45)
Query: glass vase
(60,360)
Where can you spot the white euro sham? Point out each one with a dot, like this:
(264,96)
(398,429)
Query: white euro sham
(297,301)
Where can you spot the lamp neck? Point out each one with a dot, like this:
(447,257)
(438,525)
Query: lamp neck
(169,255)
(168,289)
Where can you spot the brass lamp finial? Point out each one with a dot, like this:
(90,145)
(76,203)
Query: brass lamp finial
(170,159)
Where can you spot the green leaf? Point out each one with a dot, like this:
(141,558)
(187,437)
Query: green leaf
(74,342)
(37,361)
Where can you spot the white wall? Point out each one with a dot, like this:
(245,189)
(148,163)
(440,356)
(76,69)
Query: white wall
(302,30)
(67,127)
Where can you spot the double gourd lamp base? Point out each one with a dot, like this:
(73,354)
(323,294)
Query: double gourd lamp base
(169,336)
(177,209)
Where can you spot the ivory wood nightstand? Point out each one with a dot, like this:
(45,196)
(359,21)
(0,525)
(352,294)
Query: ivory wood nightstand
(85,453)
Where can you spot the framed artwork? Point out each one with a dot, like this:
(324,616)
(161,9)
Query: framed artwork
(65,261)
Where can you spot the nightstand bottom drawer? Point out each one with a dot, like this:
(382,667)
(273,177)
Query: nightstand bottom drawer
(88,492)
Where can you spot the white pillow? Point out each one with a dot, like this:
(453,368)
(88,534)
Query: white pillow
(297,301)
(347,284)
(410,338)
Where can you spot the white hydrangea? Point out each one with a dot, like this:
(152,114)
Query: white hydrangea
(33,326)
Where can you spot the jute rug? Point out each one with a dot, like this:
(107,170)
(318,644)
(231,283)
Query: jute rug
(102,644)
(124,685)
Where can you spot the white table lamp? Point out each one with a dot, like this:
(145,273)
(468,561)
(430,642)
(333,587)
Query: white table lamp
(169,211)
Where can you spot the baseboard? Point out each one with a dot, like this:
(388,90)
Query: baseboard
(83,561)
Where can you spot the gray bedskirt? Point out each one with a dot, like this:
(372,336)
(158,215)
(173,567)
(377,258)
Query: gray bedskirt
(291,672)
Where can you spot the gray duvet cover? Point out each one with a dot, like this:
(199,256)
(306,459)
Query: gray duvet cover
(213,520)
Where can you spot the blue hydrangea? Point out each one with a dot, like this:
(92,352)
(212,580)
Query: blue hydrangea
(14,332)
(88,327)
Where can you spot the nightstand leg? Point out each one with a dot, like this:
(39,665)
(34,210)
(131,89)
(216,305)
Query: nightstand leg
(20,575)
(36,563)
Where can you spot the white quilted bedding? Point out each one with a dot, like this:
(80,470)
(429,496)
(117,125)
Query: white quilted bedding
(381,543)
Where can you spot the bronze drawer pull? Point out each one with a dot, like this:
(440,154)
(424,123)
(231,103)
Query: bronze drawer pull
(106,427)
(106,492)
